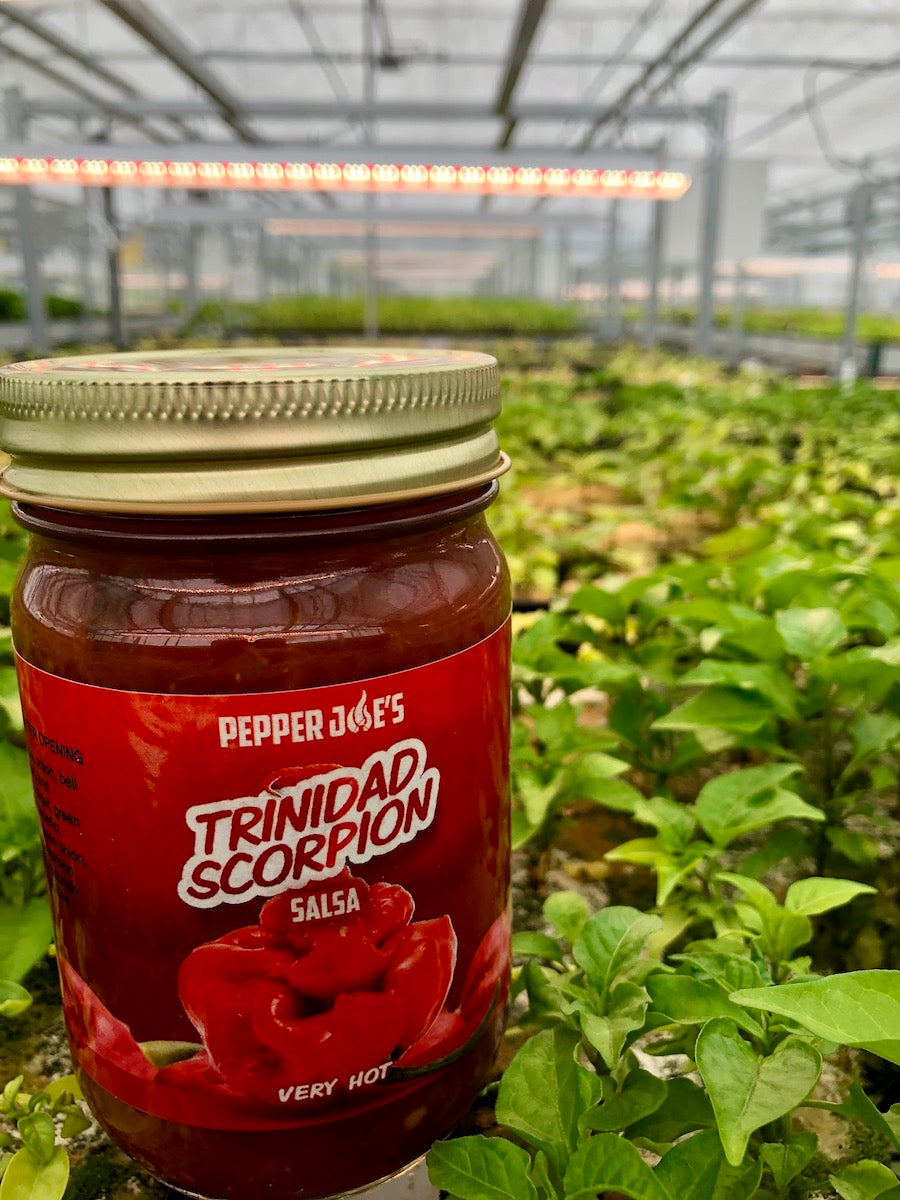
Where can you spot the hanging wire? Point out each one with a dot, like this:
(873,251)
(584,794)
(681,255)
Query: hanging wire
(812,101)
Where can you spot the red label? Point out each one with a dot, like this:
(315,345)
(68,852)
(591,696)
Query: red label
(276,907)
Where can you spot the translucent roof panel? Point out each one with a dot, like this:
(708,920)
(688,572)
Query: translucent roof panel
(813,85)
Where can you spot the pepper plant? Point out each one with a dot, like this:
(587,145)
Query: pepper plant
(784,661)
(34,1163)
(680,1076)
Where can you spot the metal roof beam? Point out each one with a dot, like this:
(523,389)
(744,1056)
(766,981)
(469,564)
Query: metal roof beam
(353,110)
(670,64)
(711,40)
(522,156)
(18,15)
(530,14)
(95,106)
(147,24)
(801,109)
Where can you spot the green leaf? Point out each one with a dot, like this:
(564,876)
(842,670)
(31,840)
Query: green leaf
(537,798)
(787,1160)
(611,944)
(477,1168)
(719,708)
(810,633)
(14,999)
(739,802)
(873,734)
(858,1107)
(861,1008)
(568,913)
(866,1180)
(536,945)
(685,1109)
(748,1091)
(540,1173)
(544,1092)
(75,1123)
(26,1178)
(25,937)
(598,603)
(625,1013)
(38,1135)
(813,896)
(687,1001)
(640,1095)
(607,1163)
(675,822)
(17,811)
(9,698)
(617,795)
(696,1169)
(768,680)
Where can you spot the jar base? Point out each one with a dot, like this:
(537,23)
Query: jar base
(367,1190)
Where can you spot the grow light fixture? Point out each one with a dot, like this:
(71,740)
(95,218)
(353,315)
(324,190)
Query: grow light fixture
(345,177)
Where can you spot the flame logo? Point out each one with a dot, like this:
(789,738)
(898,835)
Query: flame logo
(359,718)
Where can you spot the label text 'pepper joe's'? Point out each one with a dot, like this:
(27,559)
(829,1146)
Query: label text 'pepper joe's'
(310,829)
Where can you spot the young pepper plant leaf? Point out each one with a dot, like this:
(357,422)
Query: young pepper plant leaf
(687,1001)
(866,1180)
(740,802)
(696,1169)
(27,1178)
(748,1091)
(730,709)
(810,897)
(861,1008)
(544,1092)
(641,1095)
(38,1135)
(607,1163)
(810,633)
(626,1011)
(568,913)
(471,1168)
(611,943)
(858,1107)
(787,1160)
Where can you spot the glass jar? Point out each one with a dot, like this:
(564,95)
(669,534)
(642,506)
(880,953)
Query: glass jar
(266,702)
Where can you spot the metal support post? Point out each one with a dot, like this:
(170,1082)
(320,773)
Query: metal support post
(261,266)
(654,265)
(613,323)
(86,284)
(191,271)
(564,246)
(738,304)
(116,316)
(370,305)
(532,267)
(16,128)
(860,209)
(711,217)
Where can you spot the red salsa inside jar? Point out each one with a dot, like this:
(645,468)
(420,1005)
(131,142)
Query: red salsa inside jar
(268,728)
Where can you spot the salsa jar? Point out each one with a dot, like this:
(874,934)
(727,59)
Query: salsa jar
(262,641)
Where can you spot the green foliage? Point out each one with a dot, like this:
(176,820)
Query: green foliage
(584,1097)
(25,927)
(33,1163)
(306,316)
(13,307)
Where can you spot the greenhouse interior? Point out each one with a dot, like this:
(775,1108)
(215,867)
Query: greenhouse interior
(450,586)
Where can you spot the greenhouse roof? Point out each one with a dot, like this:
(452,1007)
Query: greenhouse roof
(813,85)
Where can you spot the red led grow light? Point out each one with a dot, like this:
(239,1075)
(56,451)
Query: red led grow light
(345,177)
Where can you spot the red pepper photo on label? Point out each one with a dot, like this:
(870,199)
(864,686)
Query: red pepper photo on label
(334,991)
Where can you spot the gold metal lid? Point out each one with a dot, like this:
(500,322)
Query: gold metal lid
(248,430)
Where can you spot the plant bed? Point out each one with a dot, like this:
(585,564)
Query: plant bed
(705,780)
